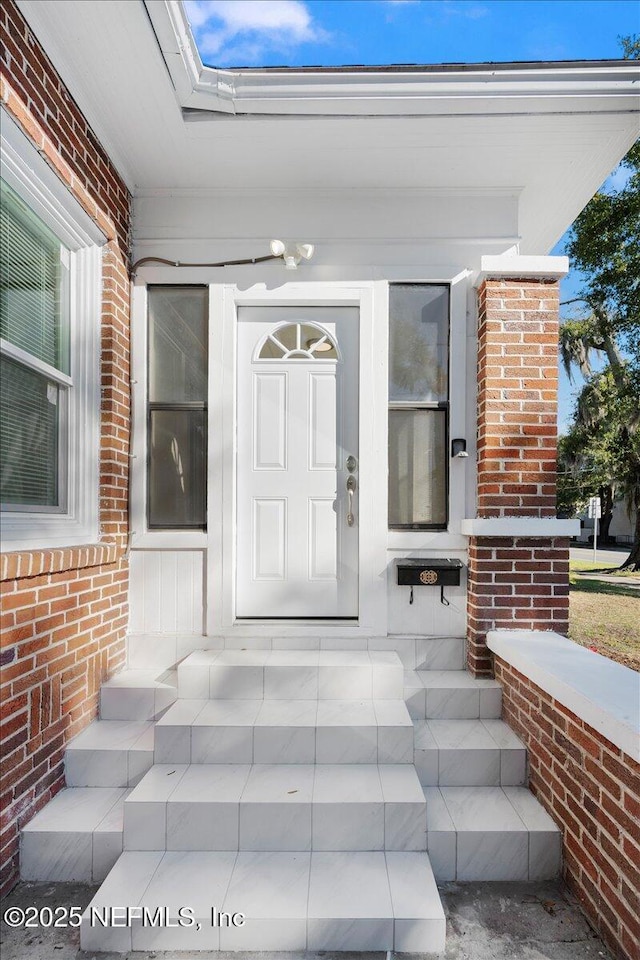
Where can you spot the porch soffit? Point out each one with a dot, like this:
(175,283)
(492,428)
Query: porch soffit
(549,133)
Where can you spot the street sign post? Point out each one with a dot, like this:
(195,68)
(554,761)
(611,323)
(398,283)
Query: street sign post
(595,512)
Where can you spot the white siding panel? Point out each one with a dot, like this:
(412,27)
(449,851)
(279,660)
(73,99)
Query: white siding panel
(166,591)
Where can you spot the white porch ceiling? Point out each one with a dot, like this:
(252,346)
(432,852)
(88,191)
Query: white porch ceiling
(550,138)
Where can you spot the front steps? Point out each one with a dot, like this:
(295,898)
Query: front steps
(290,902)
(266,807)
(300,787)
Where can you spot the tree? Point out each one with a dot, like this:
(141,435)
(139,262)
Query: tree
(601,453)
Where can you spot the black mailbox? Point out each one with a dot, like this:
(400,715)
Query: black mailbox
(428,572)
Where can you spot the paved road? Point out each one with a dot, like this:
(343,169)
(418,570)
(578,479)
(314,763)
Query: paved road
(607,556)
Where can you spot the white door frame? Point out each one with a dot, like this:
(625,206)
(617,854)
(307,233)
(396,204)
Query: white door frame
(372,300)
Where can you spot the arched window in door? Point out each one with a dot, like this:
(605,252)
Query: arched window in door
(299,340)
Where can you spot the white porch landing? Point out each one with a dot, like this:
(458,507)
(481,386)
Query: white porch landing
(280,784)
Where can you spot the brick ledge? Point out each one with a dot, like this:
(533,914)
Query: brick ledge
(34,563)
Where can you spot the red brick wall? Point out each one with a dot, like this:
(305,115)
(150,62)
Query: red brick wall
(516,582)
(65,611)
(592,791)
(517,398)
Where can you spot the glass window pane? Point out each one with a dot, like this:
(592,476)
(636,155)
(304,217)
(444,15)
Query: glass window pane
(417,468)
(33,284)
(178,344)
(29,448)
(419,334)
(298,341)
(177,467)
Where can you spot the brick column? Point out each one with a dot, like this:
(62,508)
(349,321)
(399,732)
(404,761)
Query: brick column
(516,581)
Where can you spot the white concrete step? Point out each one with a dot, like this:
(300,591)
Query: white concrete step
(451,695)
(490,833)
(466,753)
(285,731)
(109,753)
(138,694)
(290,902)
(276,807)
(441,653)
(289,674)
(77,836)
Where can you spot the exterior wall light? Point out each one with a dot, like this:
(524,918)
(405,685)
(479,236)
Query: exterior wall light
(293,253)
(459,448)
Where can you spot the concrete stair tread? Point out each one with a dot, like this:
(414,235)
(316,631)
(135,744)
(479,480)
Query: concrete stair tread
(291,901)
(490,833)
(285,731)
(142,680)
(79,808)
(110,753)
(313,713)
(291,674)
(77,836)
(466,734)
(451,694)
(455,679)
(293,783)
(276,807)
(292,658)
(114,735)
(138,694)
(461,753)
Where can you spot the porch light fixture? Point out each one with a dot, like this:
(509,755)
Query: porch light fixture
(292,253)
(459,447)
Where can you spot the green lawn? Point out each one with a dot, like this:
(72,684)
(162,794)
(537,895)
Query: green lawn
(605,615)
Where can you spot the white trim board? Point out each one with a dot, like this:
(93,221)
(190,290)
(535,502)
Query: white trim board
(603,693)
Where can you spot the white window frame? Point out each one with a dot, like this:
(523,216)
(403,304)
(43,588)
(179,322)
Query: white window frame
(28,174)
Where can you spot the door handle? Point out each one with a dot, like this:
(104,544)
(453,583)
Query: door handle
(351,489)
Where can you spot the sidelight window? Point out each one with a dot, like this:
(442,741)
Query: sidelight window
(418,405)
(177,407)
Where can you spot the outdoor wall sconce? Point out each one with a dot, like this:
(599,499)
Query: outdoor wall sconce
(459,448)
(291,253)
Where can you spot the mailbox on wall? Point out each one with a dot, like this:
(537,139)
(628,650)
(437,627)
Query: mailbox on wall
(428,572)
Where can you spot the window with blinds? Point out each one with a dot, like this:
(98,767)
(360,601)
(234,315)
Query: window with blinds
(34,327)
(418,405)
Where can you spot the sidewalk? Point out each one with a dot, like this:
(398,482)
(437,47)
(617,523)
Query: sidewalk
(485,921)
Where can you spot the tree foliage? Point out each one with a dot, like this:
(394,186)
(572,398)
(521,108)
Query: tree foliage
(601,453)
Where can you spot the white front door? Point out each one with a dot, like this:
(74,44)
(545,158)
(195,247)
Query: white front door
(297,454)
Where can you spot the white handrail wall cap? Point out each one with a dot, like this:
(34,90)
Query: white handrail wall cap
(519,527)
(526,267)
(602,693)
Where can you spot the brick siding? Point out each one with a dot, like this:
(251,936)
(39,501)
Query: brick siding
(592,791)
(516,582)
(64,612)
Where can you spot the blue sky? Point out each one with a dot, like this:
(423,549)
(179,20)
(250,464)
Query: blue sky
(329,32)
(333,32)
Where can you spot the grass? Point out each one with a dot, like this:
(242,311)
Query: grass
(603,615)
